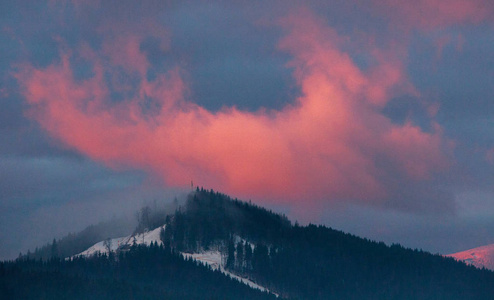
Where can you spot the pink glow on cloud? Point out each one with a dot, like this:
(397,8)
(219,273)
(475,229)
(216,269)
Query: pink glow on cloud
(326,146)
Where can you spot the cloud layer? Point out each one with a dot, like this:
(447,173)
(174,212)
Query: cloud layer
(331,144)
(433,14)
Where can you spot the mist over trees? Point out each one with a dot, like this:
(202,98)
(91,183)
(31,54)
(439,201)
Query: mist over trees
(148,217)
(75,243)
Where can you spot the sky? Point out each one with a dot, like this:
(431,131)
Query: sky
(372,117)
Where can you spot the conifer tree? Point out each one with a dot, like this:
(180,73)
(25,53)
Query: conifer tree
(230,261)
(54,249)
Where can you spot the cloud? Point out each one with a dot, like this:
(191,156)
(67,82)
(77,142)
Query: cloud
(489,156)
(331,144)
(430,14)
(46,198)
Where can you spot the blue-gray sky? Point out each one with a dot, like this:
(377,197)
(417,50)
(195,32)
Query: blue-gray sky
(374,117)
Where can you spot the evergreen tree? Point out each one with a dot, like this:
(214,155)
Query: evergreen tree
(230,260)
(240,257)
(54,249)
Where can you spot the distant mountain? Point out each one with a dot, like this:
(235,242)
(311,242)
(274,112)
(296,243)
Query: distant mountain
(215,247)
(75,243)
(481,257)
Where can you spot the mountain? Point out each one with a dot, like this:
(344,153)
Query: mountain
(74,243)
(215,247)
(481,257)
(212,258)
(144,272)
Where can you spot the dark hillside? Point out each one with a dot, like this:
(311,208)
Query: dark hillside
(297,262)
(142,273)
(210,217)
(316,262)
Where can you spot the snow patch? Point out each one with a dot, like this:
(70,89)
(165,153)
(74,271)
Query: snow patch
(214,259)
(209,258)
(145,238)
(481,257)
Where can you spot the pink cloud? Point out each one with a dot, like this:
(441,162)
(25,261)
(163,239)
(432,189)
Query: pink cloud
(332,144)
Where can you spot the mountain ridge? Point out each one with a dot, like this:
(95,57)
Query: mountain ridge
(293,261)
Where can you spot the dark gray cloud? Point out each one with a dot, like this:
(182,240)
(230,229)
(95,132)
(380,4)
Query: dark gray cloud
(46,197)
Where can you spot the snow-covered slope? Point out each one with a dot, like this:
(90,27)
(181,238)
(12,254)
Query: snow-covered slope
(210,258)
(214,259)
(145,238)
(479,257)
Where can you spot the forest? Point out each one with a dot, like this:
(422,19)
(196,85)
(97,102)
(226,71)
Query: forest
(296,262)
(143,272)
(317,262)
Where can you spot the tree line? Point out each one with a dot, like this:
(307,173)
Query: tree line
(317,262)
(143,272)
(301,262)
